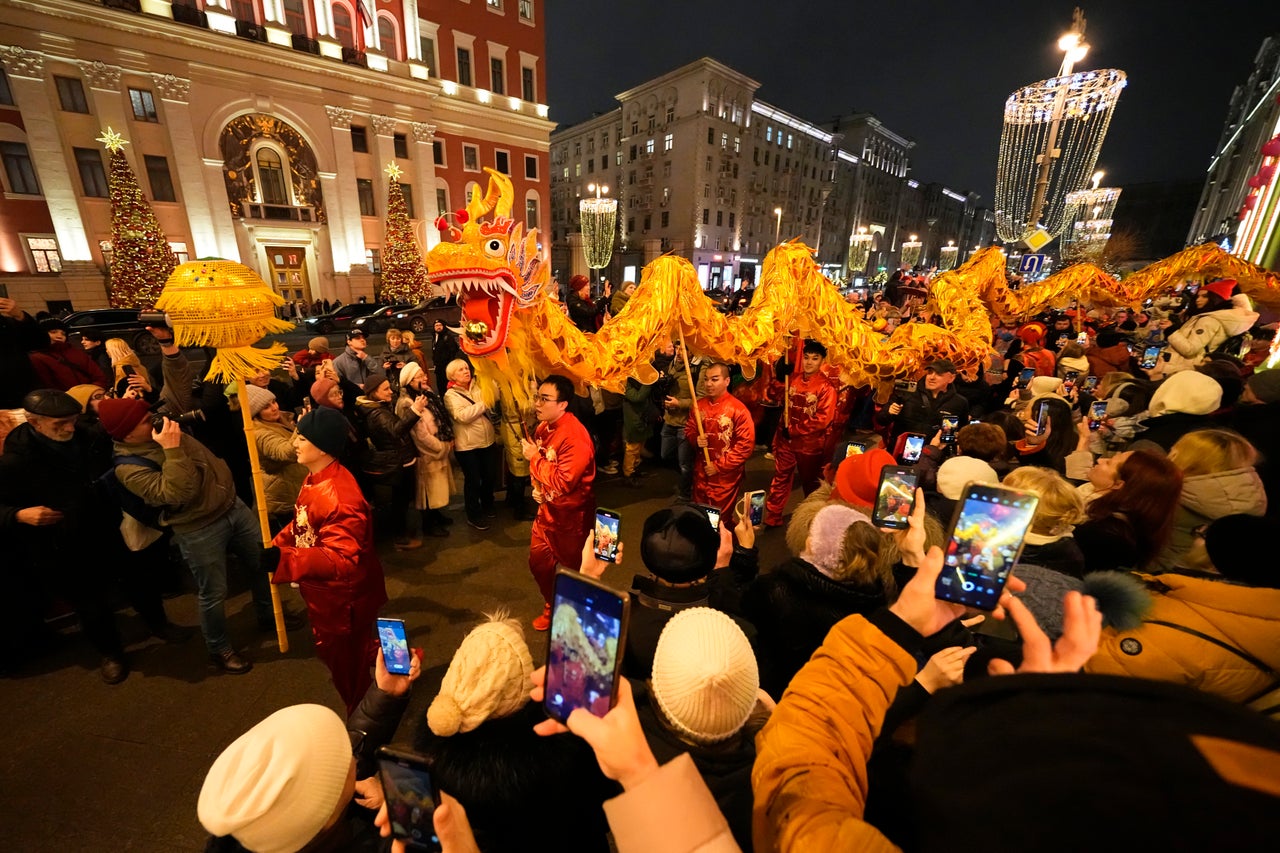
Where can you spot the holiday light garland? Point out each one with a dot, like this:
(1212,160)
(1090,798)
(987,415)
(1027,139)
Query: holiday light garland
(141,259)
(911,251)
(599,221)
(859,250)
(948,255)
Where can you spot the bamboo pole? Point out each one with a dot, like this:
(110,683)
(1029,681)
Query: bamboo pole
(260,497)
(693,393)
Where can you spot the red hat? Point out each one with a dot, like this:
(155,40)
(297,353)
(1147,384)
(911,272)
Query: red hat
(1031,333)
(120,416)
(859,475)
(1222,287)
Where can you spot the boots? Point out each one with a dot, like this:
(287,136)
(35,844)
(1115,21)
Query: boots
(433,523)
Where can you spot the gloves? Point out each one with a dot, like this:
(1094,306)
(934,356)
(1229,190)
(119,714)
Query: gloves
(783,370)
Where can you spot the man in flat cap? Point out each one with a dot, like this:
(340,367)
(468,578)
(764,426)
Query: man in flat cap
(67,527)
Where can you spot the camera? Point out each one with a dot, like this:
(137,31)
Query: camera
(153,318)
(183,419)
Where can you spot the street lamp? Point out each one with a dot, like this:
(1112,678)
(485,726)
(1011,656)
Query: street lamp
(777,231)
(948,254)
(599,218)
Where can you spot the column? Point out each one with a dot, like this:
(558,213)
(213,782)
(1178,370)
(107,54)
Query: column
(329,46)
(273,17)
(215,187)
(208,216)
(424,178)
(25,70)
(383,150)
(341,199)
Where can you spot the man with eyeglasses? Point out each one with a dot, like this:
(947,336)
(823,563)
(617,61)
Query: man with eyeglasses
(562,464)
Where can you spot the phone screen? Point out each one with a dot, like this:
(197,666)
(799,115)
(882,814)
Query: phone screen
(713,515)
(853,448)
(1025,377)
(1149,356)
(756,507)
(1042,419)
(895,497)
(949,424)
(588,622)
(1083,339)
(984,544)
(411,798)
(913,447)
(1069,381)
(395,646)
(1097,413)
(607,524)
(1090,382)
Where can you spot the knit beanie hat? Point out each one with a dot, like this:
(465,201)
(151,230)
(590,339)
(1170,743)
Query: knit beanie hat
(488,677)
(120,416)
(259,399)
(678,545)
(1043,385)
(373,383)
(1109,338)
(318,344)
(326,429)
(1186,391)
(275,786)
(859,475)
(82,393)
(1265,385)
(824,547)
(1222,287)
(320,392)
(958,471)
(408,373)
(705,678)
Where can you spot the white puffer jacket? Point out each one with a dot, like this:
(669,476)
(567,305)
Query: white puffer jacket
(1190,346)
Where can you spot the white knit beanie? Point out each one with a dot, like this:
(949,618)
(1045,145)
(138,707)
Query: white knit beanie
(705,677)
(1186,391)
(274,788)
(489,676)
(959,471)
(259,399)
(408,372)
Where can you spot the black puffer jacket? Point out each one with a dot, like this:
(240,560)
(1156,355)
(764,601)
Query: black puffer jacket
(389,436)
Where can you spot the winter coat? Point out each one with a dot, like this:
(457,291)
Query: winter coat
(17,376)
(1061,555)
(636,425)
(1206,498)
(1191,344)
(391,446)
(64,366)
(1257,422)
(282,475)
(922,412)
(1112,359)
(1165,430)
(1243,617)
(193,486)
(472,429)
(582,313)
(793,607)
(435,475)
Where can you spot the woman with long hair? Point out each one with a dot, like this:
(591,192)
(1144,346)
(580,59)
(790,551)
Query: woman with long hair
(433,438)
(130,375)
(1219,479)
(1051,417)
(1131,500)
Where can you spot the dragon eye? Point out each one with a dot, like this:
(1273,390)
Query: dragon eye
(494,248)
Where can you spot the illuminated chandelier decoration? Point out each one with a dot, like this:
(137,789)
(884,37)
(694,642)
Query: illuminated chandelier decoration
(1089,213)
(911,251)
(599,222)
(1053,131)
(859,250)
(947,256)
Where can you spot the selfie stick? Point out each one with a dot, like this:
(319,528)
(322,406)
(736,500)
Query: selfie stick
(260,496)
(693,392)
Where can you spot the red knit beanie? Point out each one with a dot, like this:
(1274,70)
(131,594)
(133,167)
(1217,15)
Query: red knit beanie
(1222,287)
(320,392)
(120,416)
(858,476)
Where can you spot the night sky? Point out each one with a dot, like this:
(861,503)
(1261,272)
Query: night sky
(937,71)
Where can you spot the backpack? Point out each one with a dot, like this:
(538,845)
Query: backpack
(127,500)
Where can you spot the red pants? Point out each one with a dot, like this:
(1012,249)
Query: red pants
(556,540)
(349,657)
(721,491)
(787,465)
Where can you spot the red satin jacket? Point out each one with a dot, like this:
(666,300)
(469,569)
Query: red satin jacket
(564,469)
(812,410)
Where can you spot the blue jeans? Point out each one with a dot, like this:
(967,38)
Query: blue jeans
(205,551)
(675,447)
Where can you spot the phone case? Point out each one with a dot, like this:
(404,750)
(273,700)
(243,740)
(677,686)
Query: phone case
(624,620)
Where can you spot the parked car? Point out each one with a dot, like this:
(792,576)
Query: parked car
(113,323)
(382,319)
(340,320)
(422,317)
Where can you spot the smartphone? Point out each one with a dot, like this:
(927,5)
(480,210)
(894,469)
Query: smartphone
(984,542)
(1090,383)
(395,646)
(1069,381)
(912,448)
(854,448)
(607,523)
(584,652)
(1042,419)
(1097,414)
(713,515)
(1149,356)
(4,291)
(411,797)
(1025,377)
(895,497)
(1083,339)
(755,506)
(128,369)
(949,425)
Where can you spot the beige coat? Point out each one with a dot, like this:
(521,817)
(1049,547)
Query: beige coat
(672,811)
(472,429)
(435,474)
(282,476)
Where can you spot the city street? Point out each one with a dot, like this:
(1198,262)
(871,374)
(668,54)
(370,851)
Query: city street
(90,767)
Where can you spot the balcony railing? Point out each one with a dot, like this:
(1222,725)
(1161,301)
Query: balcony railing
(306,44)
(184,14)
(126,5)
(278,212)
(251,30)
(351,56)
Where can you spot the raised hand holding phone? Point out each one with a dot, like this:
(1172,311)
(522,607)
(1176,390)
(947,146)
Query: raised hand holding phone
(584,645)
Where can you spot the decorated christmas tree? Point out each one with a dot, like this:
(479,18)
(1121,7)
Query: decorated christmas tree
(141,259)
(404,278)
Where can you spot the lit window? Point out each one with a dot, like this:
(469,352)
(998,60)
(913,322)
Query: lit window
(144,105)
(179,251)
(526,10)
(668,142)
(271,183)
(44,254)
(648,146)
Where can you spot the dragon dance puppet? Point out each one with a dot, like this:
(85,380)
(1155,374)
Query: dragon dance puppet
(515,329)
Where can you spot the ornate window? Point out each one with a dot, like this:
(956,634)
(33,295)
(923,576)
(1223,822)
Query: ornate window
(273,187)
(343,29)
(388,43)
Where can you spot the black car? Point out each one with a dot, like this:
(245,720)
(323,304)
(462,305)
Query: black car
(340,319)
(112,323)
(382,319)
(422,317)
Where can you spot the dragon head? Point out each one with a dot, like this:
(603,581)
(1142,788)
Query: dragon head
(493,267)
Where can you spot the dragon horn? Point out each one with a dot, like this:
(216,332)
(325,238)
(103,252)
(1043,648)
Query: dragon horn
(498,198)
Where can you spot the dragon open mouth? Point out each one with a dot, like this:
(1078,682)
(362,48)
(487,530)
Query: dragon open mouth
(487,299)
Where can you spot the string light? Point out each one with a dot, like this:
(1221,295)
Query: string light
(859,250)
(911,251)
(404,278)
(1088,229)
(599,222)
(141,259)
(947,256)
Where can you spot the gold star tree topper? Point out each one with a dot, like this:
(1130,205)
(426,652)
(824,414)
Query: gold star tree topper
(393,172)
(112,140)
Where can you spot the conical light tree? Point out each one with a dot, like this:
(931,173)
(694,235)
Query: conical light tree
(404,278)
(141,259)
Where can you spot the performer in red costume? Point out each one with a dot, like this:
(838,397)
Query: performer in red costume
(562,463)
(730,438)
(328,551)
(798,448)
